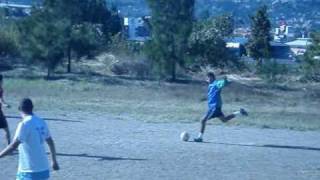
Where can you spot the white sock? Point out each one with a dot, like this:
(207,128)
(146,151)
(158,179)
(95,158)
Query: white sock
(200,135)
(236,113)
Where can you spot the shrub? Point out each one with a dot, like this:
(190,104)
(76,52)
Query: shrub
(138,69)
(311,62)
(8,43)
(120,68)
(121,46)
(271,70)
(311,69)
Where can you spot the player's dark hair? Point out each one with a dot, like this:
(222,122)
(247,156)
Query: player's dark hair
(211,75)
(26,106)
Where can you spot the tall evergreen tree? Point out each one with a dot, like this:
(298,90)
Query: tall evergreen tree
(90,17)
(44,39)
(171,26)
(259,42)
(9,36)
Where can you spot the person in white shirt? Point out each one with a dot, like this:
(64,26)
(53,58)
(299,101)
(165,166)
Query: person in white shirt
(30,136)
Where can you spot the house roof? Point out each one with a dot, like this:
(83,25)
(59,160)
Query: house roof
(11,5)
(278,44)
(233,45)
(301,42)
(240,40)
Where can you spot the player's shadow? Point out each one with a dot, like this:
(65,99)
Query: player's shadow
(271,146)
(49,119)
(101,158)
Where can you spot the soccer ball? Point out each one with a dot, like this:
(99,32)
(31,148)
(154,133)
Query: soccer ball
(184,136)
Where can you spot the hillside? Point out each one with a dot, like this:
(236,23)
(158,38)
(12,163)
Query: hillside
(302,13)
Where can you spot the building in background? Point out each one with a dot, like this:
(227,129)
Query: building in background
(281,52)
(15,10)
(242,32)
(284,33)
(137,28)
(236,45)
(288,51)
(299,46)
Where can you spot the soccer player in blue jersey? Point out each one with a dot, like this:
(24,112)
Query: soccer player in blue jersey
(215,104)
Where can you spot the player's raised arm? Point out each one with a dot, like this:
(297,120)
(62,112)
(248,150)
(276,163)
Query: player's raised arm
(55,165)
(221,83)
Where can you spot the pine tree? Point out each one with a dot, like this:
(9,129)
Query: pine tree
(44,39)
(171,26)
(259,42)
(87,19)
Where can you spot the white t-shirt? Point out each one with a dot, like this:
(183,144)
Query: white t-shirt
(32,132)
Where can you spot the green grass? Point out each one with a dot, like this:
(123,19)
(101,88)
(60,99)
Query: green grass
(165,103)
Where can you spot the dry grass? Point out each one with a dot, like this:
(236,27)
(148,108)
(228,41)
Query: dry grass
(291,107)
(94,90)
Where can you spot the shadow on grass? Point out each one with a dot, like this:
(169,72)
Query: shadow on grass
(48,119)
(101,158)
(270,146)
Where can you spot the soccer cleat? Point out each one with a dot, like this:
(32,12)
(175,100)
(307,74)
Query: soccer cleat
(243,112)
(198,140)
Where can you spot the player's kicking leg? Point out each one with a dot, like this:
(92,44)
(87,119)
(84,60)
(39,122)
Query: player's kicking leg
(225,119)
(217,113)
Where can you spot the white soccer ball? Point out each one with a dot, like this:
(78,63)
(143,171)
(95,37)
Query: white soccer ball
(184,136)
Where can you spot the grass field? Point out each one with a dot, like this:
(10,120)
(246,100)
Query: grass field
(290,106)
(108,127)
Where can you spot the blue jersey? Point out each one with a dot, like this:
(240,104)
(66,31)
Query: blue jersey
(214,93)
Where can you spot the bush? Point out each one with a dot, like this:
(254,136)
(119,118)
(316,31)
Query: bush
(8,43)
(121,46)
(120,68)
(311,69)
(138,69)
(271,70)
(310,61)
(5,64)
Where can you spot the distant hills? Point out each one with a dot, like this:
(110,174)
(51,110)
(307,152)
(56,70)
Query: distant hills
(18,1)
(303,13)
(298,13)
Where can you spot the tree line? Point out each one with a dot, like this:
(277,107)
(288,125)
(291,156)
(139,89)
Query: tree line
(178,37)
(65,31)
(60,31)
